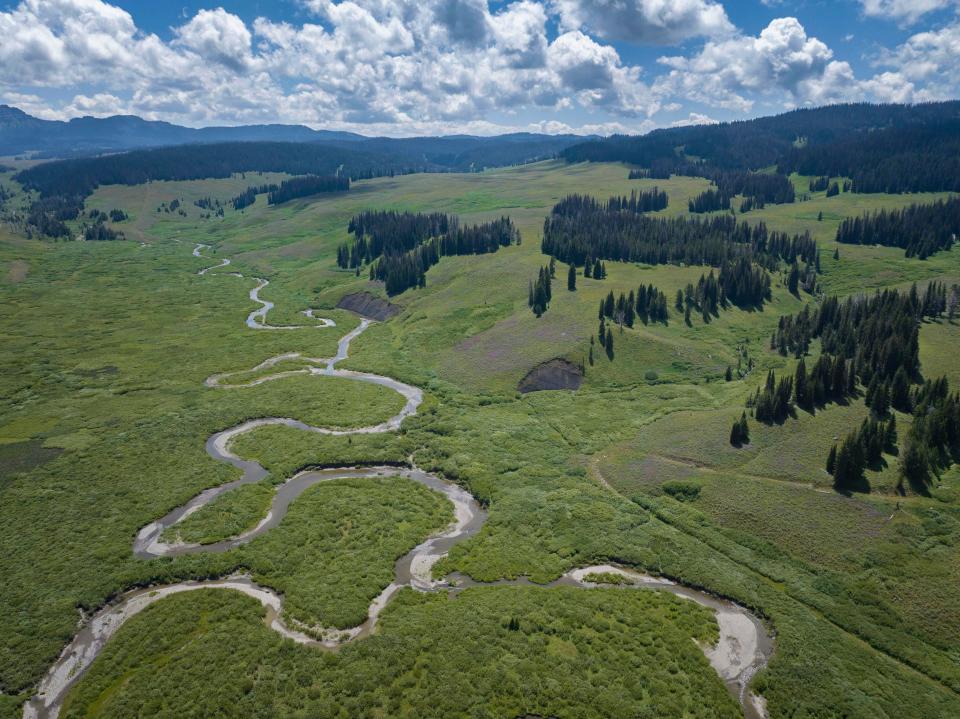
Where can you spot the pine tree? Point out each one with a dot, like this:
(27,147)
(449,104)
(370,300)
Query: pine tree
(744,428)
(890,434)
(881,400)
(572,279)
(832,460)
(735,439)
(836,253)
(679,301)
(900,391)
(610,346)
(801,387)
(729,374)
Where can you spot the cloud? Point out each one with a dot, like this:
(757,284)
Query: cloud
(925,67)
(409,66)
(903,11)
(217,36)
(654,22)
(782,59)
(694,118)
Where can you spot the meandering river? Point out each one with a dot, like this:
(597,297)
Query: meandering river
(744,647)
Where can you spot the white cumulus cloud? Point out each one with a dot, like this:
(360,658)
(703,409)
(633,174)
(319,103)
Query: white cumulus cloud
(655,22)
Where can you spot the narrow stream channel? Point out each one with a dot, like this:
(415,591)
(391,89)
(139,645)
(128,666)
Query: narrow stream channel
(744,647)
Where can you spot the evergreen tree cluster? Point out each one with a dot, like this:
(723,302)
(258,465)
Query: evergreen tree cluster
(743,283)
(594,268)
(751,203)
(402,246)
(581,232)
(644,201)
(99,232)
(48,215)
(306,186)
(884,393)
(862,448)
(758,187)
(819,184)
(648,304)
(541,291)
(805,278)
(920,158)
(378,232)
(605,335)
(933,442)
(878,333)
(709,201)
(638,174)
(249,196)
(774,401)
(831,379)
(921,230)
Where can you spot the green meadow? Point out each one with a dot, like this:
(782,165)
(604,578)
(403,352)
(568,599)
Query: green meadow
(104,415)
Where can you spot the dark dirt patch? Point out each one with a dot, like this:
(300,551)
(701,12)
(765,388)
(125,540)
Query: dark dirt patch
(555,374)
(24,456)
(367,305)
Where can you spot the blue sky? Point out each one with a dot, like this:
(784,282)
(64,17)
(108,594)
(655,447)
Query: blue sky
(402,67)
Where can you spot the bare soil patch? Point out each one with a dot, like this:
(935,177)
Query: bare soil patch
(555,374)
(367,305)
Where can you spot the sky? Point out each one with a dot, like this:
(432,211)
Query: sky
(416,67)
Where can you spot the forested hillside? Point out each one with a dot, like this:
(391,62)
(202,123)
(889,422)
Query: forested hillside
(884,148)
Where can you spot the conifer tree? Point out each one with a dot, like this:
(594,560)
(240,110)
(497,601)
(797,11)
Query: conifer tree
(572,279)
(735,434)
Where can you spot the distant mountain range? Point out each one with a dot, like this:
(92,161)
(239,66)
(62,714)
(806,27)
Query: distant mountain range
(84,136)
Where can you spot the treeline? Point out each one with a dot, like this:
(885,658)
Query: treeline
(48,215)
(643,201)
(579,228)
(933,442)
(80,177)
(249,196)
(73,180)
(709,201)
(306,186)
(831,379)
(402,260)
(387,232)
(920,230)
(899,159)
(99,232)
(766,141)
(879,334)
(115,215)
(774,401)
(758,188)
(648,304)
(861,448)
